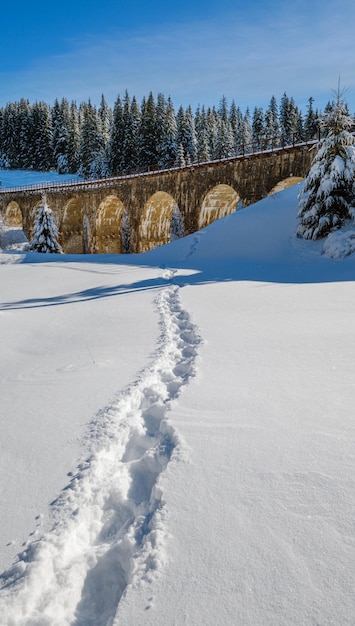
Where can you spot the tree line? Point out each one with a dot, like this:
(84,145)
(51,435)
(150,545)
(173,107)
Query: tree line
(97,141)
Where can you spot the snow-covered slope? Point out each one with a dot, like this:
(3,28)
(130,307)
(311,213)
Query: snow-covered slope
(200,397)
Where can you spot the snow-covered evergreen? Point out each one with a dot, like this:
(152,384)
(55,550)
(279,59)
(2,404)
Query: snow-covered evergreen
(45,231)
(258,126)
(148,153)
(168,145)
(99,141)
(327,198)
(116,138)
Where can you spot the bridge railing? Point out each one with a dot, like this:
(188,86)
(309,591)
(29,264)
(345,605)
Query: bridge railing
(264,145)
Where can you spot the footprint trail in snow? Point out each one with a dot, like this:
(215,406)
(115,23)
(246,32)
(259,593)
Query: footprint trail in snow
(109,528)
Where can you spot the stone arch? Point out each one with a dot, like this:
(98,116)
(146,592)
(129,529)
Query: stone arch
(287,182)
(13,215)
(155,223)
(109,226)
(220,201)
(71,227)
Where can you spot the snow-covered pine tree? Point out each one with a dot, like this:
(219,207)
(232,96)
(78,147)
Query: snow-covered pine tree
(160,116)
(23,132)
(116,138)
(74,138)
(223,109)
(45,232)
(212,120)
(186,133)
(311,122)
(285,118)
(258,127)
(41,151)
(130,146)
(272,126)
(105,115)
(10,147)
(91,149)
(247,132)
(202,146)
(168,149)
(238,124)
(180,159)
(190,135)
(61,135)
(328,195)
(125,163)
(224,139)
(148,152)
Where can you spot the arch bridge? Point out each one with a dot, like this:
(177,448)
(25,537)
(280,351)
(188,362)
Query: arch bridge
(136,213)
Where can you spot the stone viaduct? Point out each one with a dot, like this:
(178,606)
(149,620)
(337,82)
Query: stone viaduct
(89,214)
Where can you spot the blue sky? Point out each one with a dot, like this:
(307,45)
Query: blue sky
(194,50)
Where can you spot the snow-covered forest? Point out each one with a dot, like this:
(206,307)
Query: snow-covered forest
(94,141)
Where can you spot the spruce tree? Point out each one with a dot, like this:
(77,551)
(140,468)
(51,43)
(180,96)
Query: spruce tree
(41,137)
(160,116)
(202,145)
(311,123)
(224,139)
(180,159)
(327,198)
(105,115)
(212,129)
(191,140)
(186,133)
(24,122)
(116,138)
(130,147)
(247,132)
(223,109)
(125,163)
(238,124)
(61,135)
(272,126)
(286,119)
(168,151)
(258,127)
(148,152)
(10,139)
(92,148)
(45,232)
(74,138)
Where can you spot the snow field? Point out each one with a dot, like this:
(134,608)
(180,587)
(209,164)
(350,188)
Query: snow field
(232,503)
(109,524)
(261,524)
